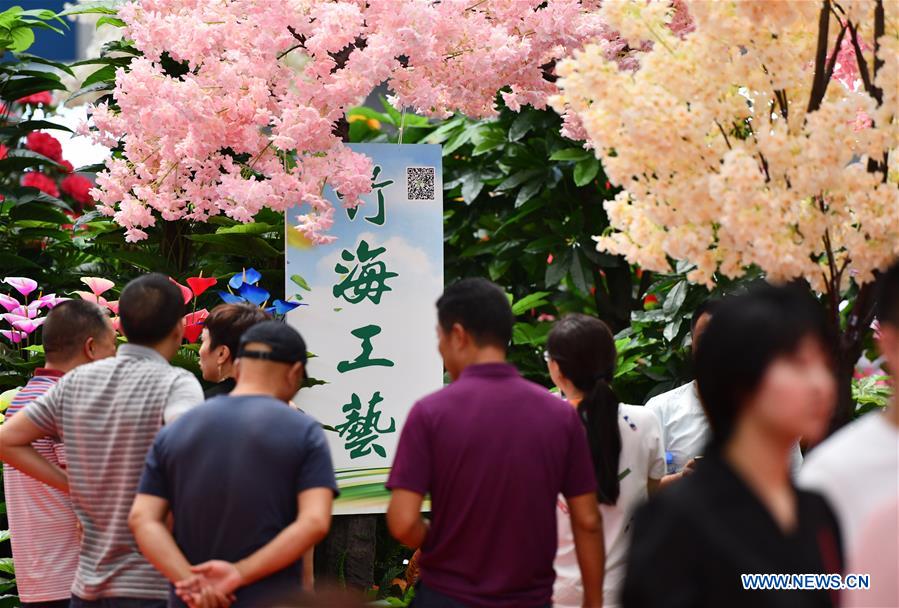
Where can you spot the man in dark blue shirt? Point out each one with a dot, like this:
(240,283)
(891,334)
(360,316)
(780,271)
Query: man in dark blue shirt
(248,479)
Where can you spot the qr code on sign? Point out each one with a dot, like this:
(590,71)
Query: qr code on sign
(420,183)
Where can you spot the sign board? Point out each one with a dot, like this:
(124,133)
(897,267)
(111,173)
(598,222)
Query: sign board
(369,316)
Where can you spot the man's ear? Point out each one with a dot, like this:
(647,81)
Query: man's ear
(298,373)
(88,348)
(459,337)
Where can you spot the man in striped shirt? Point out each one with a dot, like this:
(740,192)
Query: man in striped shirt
(107,414)
(43,527)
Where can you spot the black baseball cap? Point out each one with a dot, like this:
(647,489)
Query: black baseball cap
(286,343)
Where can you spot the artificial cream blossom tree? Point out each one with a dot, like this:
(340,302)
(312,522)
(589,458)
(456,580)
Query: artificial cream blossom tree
(249,119)
(766,136)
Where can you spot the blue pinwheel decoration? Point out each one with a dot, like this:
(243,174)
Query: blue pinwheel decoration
(248,292)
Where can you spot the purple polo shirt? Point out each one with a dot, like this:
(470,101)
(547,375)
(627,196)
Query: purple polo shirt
(494,451)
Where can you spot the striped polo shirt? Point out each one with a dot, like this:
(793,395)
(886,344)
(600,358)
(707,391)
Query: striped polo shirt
(43,527)
(107,414)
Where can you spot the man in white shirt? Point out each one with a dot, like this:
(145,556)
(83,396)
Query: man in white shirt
(685,429)
(857,468)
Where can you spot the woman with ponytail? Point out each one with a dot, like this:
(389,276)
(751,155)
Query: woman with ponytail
(625,445)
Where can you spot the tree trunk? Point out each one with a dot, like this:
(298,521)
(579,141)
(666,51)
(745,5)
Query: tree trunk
(347,555)
(850,348)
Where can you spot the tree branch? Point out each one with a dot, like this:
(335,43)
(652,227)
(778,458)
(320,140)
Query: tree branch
(819,84)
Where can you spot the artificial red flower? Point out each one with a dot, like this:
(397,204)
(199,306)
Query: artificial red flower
(4,151)
(66,166)
(45,144)
(78,187)
(188,295)
(193,324)
(44,183)
(43,97)
(200,284)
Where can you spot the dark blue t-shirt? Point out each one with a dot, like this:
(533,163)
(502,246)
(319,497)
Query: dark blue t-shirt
(231,470)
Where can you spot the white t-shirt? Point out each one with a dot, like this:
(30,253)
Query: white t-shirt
(642,457)
(857,471)
(685,429)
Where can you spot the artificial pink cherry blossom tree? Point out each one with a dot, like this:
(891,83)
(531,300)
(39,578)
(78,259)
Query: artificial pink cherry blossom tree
(767,136)
(250,121)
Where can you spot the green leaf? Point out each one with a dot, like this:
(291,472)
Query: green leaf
(254,228)
(533,334)
(20,129)
(105,74)
(518,178)
(114,21)
(300,282)
(4,536)
(21,38)
(528,191)
(6,565)
(579,272)
(19,159)
(39,212)
(558,269)
(675,298)
(671,329)
(393,116)
(575,154)
(93,88)
(99,7)
(585,170)
(532,300)
(522,124)
(472,184)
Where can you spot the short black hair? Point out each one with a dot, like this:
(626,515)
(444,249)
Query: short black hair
(228,322)
(888,296)
(745,336)
(480,307)
(707,307)
(149,308)
(69,324)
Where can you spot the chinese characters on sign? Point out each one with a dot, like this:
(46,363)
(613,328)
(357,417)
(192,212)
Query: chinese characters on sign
(370,316)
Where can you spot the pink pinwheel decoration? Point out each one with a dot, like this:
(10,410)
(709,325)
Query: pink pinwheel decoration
(13,336)
(97,285)
(23,285)
(9,303)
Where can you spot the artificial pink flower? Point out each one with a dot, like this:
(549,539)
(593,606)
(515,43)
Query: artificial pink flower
(113,306)
(23,285)
(97,285)
(13,336)
(41,181)
(44,97)
(45,144)
(185,292)
(23,323)
(193,324)
(9,303)
(48,301)
(86,295)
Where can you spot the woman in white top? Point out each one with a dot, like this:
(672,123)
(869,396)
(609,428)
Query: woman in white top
(625,442)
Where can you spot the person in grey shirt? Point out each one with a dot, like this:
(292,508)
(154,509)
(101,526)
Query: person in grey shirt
(107,414)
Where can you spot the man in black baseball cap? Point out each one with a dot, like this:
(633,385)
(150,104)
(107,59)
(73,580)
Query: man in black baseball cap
(249,480)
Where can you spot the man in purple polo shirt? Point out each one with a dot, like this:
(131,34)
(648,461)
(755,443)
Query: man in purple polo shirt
(494,452)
